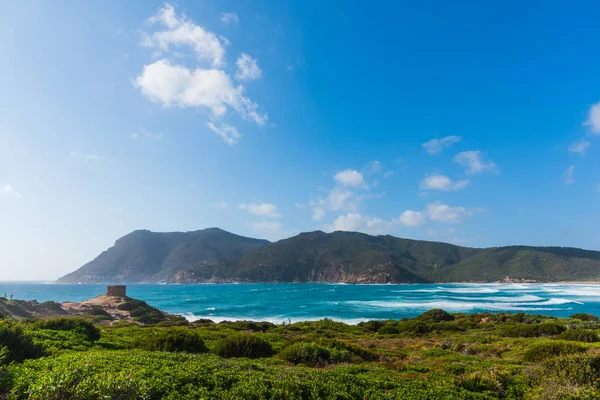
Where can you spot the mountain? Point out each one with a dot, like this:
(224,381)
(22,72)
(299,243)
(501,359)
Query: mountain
(144,256)
(214,255)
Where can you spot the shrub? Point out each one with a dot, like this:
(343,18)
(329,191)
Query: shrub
(354,349)
(483,381)
(248,346)
(388,330)
(541,351)
(534,330)
(313,355)
(371,326)
(17,345)
(414,327)
(435,315)
(249,325)
(574,369)
(580,335)
(584,317)
(88,329)
(175,340)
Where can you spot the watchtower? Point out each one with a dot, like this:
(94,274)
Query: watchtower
(116,291)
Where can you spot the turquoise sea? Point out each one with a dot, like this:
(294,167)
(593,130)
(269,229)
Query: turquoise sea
(349,303)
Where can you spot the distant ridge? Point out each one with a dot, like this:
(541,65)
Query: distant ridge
(215,255)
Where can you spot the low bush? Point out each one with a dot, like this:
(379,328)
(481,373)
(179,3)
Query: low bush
(314,355)
(249,325)
(544,350)
(534,330)
(435,315)
(580,335)
(354,349)
(17,345)
(414,327)
(371,326)
(175,340)
(247,346)
(388,330)
(574,369)
(88,329)
(585,317)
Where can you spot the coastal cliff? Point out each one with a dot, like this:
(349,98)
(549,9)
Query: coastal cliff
(216,256)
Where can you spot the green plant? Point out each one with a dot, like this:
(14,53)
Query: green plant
(170,339)
(248,346)
(314,355)
(91,332)
(575,369)
(584,317)
(534,330)
(435,315)
(17,345)
(544,350)
(580,335)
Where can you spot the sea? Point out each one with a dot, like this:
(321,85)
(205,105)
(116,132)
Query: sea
(342,302)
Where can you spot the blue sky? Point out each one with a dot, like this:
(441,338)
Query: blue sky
(474,123)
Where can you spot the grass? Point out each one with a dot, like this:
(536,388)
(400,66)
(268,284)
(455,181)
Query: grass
(434,356)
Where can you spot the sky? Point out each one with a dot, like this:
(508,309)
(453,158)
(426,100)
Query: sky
(474,123)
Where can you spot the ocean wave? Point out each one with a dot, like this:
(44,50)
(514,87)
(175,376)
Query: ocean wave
(273,319)
(450,305)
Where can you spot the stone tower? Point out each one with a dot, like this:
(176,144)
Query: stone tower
(116,291)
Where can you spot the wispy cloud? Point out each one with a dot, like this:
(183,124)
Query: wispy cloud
(222,205)
(442,182)
(227,132)
(247,68)
(579,147)
(569,175)
(92,157)
(143,133)
(10,191)
(475,162)
(261,209)
(593,120)
(229,18)
(435,146)
(443,213)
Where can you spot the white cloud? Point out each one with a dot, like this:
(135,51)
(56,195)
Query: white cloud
(569,175)
(146,134)
(355,222)
(93,157)
(374,167)
(267,227)
(183,32)
(412,218)
(221,205)
(175,85)
(350,177)
(579,147)
(340,199)
(229,18)
(442,182)
(262,209)
(9,191)
(227,132)
(318,214)
(474,161)
(434,146)
(444,213)
(594,118)
(247,69)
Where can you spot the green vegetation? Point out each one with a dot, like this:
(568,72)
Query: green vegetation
(433,356)
(213,255)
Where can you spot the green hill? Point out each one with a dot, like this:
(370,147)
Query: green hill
(213,255)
